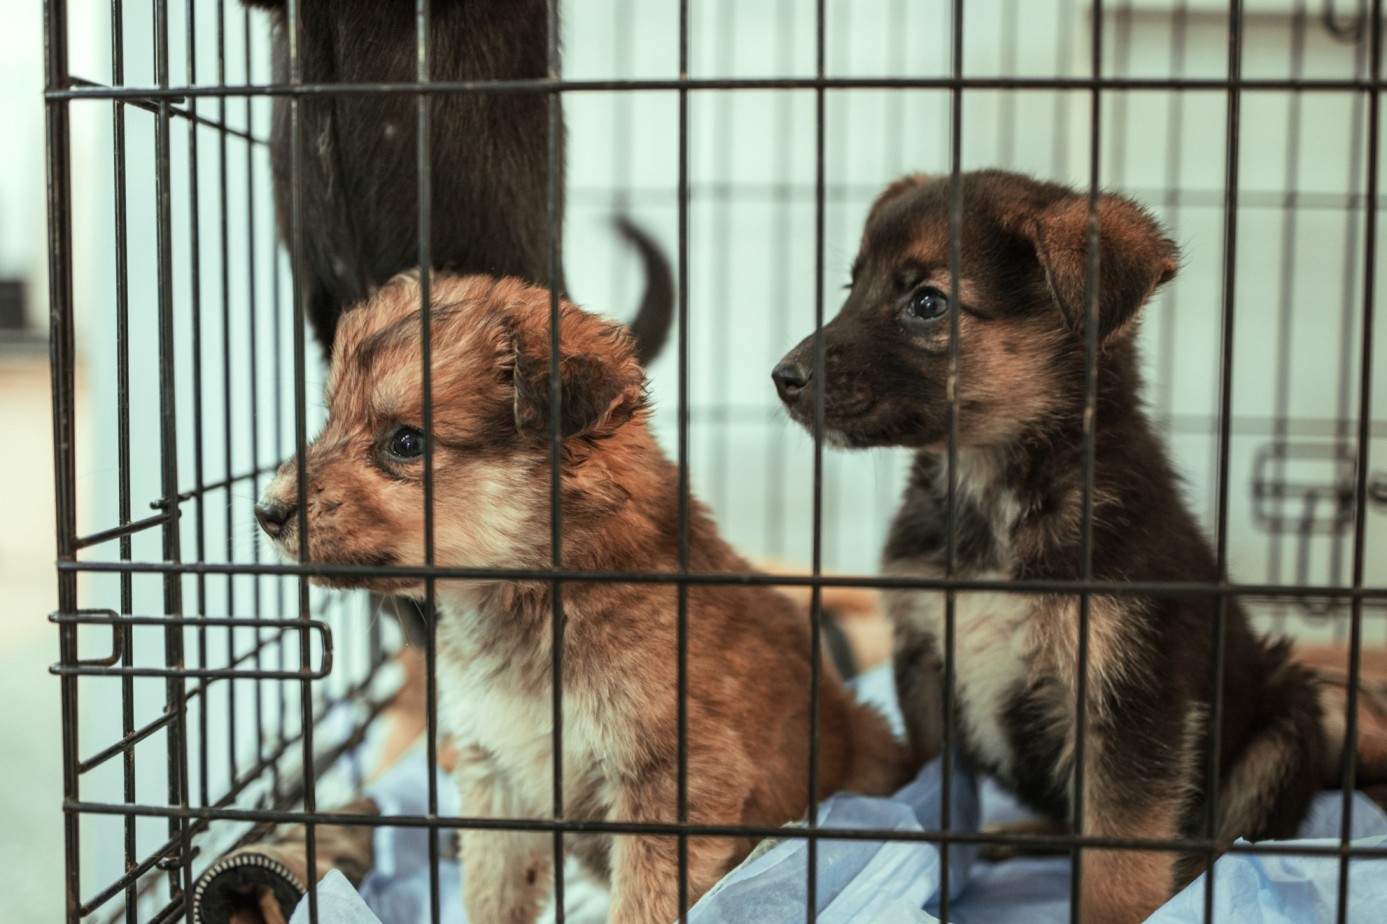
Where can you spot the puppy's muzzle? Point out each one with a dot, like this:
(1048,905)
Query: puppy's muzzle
(790,378)
(274,515)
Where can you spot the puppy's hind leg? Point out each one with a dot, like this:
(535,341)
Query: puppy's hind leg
(645,868)
(506,875)
(1266,790)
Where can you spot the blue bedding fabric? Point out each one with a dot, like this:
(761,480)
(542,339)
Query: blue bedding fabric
(889,882)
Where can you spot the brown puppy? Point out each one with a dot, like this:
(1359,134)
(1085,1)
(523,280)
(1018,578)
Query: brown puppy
(748,650)
(1020,385)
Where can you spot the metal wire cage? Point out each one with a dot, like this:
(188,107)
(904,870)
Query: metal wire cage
(207,689)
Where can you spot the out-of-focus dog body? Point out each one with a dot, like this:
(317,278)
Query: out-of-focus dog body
(489,154)
(1018,515)
(748,655)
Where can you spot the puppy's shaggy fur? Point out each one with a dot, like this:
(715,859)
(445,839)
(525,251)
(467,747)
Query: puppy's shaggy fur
(1020,386)
(748,649)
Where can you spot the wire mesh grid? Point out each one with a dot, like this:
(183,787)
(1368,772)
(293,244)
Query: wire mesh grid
(1251,127)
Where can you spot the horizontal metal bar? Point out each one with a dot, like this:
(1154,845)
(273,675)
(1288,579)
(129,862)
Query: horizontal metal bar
(260,647)
(151,105)
(777,192)
(1111,588)
(207,673)
(543,86)
(1193,423)
(138,735)
(106,667)
(1309,428)
(84,618)
(792,832)
(128,529)
(99,616)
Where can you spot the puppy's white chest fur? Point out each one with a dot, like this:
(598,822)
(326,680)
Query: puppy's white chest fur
(506,710)
(996,640)
(993,647)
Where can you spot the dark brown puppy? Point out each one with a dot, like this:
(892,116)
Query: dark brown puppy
(748,647)
(488,154)
(1020,386)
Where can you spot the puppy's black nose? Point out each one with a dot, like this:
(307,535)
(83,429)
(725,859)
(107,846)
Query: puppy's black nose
(790,378)
(273,514)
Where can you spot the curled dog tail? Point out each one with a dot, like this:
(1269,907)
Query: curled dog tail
(1267,787)
(650,327)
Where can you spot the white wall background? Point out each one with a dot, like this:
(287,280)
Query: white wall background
(752,276)
(752,246)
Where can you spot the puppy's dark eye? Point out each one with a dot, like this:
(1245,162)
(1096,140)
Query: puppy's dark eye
(927,304)
(407,443)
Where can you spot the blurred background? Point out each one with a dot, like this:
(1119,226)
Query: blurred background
(754,272)
(31,833)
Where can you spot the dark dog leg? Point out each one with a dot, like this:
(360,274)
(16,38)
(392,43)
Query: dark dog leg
(919,688)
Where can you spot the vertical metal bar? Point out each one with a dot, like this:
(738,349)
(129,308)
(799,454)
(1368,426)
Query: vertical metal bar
(61,364)
(554,201)
(946,814)
(1090,400)
(1360,497)
(175,694)
(298,272)
(423,154)
(681,678)
(816,554)
(1281,394)
(1090,440)
(195,324)
(122,252)
(228,433)
(252,338)
(1230,255)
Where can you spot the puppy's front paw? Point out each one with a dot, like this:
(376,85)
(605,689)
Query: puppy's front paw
(506,876)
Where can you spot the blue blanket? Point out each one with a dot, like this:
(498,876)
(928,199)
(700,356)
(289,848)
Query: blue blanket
(892,881)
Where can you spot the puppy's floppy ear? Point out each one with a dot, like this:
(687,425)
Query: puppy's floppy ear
(602,387)
(1134,258)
